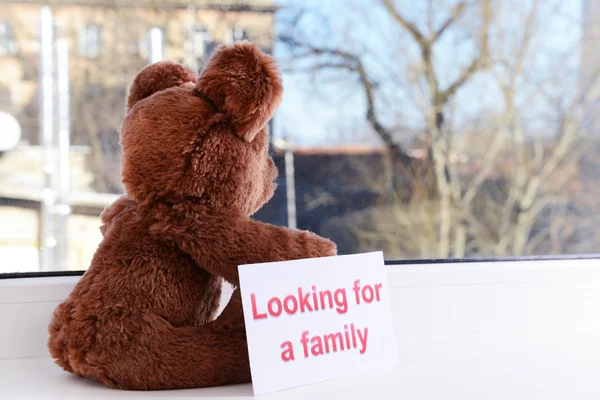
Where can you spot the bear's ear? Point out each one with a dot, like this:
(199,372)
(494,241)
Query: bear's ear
(156,77)
(244,83)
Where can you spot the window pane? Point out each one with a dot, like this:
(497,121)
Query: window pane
(90,41)
(8,45)
(423,128)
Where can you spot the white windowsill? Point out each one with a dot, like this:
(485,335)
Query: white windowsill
(465,331)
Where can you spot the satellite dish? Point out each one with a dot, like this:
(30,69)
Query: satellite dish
(10,131)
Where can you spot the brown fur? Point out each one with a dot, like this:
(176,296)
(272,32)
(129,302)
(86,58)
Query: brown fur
(195,168)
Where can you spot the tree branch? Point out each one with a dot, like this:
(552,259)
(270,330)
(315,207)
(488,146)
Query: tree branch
(466,73)
(479,61)
(353,62)
(456,12)
(486,167)
(409,26)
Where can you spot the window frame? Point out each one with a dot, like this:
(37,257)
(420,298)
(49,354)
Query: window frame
(84,41)
(388,263)
(8,41)
(440,299)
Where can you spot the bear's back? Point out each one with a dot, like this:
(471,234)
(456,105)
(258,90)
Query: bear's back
(132,272)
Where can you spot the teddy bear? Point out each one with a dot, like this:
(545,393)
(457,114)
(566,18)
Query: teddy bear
(195,168)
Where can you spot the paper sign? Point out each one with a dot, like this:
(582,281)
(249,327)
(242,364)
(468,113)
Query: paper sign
(316,319)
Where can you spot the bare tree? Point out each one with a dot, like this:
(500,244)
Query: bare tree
(531,177)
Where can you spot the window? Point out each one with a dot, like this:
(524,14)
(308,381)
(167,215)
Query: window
(425,129)
(199,42)
(8,43)
(90,41)
(199,45)
(238,34)
(152,45)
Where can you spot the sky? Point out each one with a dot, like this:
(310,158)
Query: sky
(334,114)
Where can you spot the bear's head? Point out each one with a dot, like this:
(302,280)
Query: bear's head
(203,139)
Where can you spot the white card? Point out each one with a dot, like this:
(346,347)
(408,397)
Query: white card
(316,319)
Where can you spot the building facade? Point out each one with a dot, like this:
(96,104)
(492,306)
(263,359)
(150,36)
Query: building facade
(109,42)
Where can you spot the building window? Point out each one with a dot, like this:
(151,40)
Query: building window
(199,45)
(8,43)
(199,41)
(152,46)
(90,41)
(238,34)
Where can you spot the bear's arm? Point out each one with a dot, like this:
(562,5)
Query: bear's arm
(110,212)
(220,243)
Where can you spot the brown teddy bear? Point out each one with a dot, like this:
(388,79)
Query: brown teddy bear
(195,167)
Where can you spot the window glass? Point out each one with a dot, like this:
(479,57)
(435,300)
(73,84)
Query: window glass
(423,128)
(8,45)
(90,41)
